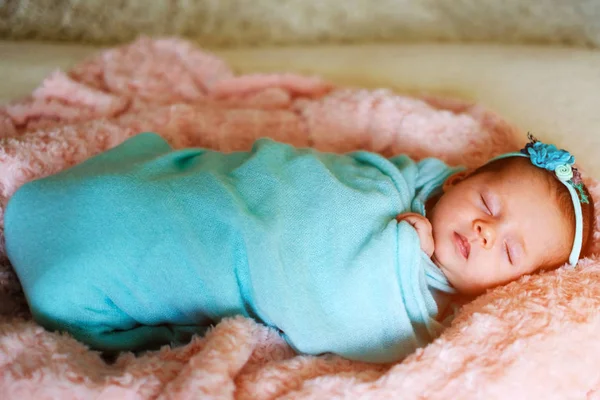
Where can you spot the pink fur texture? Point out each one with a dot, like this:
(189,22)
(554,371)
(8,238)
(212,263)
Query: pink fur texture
(532,339)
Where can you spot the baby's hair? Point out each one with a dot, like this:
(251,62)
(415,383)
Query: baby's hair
(563,200)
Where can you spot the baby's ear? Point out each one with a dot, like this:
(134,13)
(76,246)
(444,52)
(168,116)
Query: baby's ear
(455,178)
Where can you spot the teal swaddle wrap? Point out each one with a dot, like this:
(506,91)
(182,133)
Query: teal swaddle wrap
(142,245)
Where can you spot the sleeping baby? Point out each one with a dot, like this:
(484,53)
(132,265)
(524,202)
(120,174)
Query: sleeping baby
(352,254)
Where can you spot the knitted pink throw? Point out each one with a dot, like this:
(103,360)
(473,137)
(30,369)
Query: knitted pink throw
(535,338)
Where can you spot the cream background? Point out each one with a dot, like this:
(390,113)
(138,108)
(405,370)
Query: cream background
(262,22)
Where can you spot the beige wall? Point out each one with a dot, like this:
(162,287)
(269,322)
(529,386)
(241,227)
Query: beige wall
(251,22)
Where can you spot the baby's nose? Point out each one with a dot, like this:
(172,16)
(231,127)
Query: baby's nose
(486,233)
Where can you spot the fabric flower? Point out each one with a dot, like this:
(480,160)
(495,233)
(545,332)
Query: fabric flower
(582,196)
(576,177)
(548,156)
(564,172)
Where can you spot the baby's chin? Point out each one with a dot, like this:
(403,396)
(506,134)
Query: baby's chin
(461,287)
(444,256)
(449,271)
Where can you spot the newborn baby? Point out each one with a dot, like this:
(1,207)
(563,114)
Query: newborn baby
(143,246)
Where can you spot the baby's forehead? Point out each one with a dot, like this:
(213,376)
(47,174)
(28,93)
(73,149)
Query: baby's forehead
(521,185)
(517,171)
(527,185)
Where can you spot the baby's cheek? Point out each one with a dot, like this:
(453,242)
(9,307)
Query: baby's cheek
(437,236)
(488,273)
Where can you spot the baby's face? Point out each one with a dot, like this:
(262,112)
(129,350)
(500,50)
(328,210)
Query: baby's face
(493,227)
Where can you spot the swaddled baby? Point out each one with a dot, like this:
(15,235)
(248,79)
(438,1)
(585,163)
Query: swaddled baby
(352,254)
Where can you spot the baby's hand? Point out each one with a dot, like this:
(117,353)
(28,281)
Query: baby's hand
(423,228)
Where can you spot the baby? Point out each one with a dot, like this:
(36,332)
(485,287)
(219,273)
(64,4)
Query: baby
(143,246)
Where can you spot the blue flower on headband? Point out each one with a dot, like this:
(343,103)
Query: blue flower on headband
(548,156)
(560,162)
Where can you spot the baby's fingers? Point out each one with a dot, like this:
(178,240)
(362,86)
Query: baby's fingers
(423,228)
(427,244)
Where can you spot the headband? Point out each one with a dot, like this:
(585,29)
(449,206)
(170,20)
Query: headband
(559,162)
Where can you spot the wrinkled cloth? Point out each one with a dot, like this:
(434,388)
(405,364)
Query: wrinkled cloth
(141,245)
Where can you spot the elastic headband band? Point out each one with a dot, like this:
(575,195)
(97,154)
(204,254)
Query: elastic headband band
(560,162)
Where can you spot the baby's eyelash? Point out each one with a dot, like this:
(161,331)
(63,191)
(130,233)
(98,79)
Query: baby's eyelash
(508,252)
(485,204)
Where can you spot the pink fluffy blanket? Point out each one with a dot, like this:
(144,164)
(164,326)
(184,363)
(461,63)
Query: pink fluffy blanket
(535,338)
